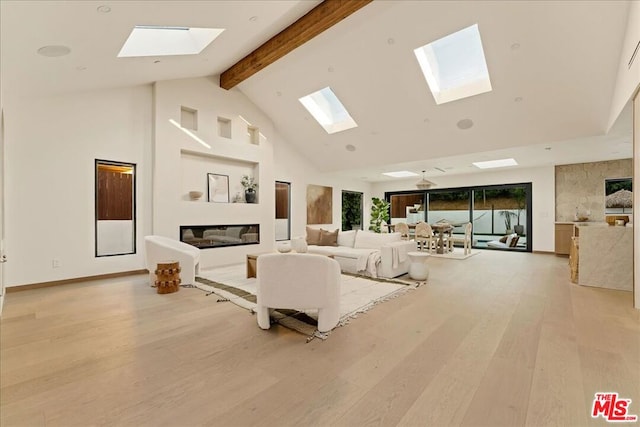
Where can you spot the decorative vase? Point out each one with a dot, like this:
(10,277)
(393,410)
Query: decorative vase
(195,195)
(299,244)
(250,195)
(284,247)
(519,229)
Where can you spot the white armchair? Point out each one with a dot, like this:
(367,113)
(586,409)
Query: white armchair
(299,281)
(162,249)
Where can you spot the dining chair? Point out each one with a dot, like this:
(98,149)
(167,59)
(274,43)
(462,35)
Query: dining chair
(403,229)
(424,236)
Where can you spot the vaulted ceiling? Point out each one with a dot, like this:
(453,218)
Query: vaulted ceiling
(553,68)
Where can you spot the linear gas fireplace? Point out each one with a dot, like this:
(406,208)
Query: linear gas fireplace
(217,236)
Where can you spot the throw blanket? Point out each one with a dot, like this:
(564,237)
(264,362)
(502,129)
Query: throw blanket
(398,255)
(368,264)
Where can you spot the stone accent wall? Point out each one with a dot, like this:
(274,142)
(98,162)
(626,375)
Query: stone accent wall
(581,185)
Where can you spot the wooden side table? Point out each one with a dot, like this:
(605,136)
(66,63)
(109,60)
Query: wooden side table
(252,265)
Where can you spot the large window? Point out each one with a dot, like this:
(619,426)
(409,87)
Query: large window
(351,210)
(495,211)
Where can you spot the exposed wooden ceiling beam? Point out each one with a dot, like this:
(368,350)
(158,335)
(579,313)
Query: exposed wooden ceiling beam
(323,16)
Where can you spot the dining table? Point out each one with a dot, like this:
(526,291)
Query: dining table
(441,228)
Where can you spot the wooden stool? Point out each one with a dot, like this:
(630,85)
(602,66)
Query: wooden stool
(168,277)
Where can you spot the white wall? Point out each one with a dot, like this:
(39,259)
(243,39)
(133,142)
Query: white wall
(292,167)
(179,160)
(628,79)
(543,200)
(52,144)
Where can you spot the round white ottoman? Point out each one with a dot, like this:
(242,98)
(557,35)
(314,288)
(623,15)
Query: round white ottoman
(418,269)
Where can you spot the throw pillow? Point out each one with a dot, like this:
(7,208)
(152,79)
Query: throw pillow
(514,242)
(347,238)
(328,238)
(503,239)
(510,239)
(313,236)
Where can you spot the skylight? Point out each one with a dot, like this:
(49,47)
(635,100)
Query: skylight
(496,163)
(146,40)
(400,174)
(454,66)
(327,109)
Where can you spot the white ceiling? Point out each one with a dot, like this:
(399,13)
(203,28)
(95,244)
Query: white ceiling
(564,72)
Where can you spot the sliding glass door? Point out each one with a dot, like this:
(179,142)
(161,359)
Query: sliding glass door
(495,211)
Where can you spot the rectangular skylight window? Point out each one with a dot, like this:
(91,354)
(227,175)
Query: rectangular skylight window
(327,109)
(400,174)
(147,40)
(454,66)
(495,163)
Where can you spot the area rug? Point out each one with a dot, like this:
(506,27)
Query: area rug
(358,295)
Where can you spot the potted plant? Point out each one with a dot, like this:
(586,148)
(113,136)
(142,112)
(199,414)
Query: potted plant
(379,213)
(507,220)
(250,185)
(520,196)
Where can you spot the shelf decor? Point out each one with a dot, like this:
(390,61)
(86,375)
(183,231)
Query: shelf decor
(218,188)
(250,185)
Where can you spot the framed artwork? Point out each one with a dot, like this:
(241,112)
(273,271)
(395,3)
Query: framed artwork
(218,188)
(319,204)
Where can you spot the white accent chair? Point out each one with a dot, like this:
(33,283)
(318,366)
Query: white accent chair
(162,249)
(299,281)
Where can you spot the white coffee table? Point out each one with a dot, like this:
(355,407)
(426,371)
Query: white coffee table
(418,269)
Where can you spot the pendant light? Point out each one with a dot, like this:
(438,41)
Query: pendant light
(424,184)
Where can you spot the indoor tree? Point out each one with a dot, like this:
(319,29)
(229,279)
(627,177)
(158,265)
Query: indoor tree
(379,213)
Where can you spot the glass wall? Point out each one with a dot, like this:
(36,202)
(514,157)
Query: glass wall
(495,211)
(407,207)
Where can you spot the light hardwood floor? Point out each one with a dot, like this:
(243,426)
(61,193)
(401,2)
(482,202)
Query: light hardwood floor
(499,339)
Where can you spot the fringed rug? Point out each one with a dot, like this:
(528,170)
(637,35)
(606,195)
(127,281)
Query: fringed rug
(358,295)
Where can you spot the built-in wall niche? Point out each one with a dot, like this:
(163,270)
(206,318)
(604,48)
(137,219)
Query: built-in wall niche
(253,135)
(188,118)
(224,127)
(198,168)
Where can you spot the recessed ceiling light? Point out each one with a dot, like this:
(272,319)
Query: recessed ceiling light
(328,111)
(391,40)
(253,19)
(103,9)
(547,148)
(518,99)
(426,120)
(54,51)
(400,174)
(454,66)
(278,93)
(350,147)
(330,69)
(495,163)
(157,61)
(515,46)
(150,40)
(465,124)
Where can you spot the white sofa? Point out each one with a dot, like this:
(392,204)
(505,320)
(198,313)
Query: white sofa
(163,249)
(368,253)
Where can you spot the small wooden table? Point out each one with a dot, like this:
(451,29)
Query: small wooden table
(252,264)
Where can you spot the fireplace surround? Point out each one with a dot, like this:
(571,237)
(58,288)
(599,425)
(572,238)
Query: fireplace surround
(216,236)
